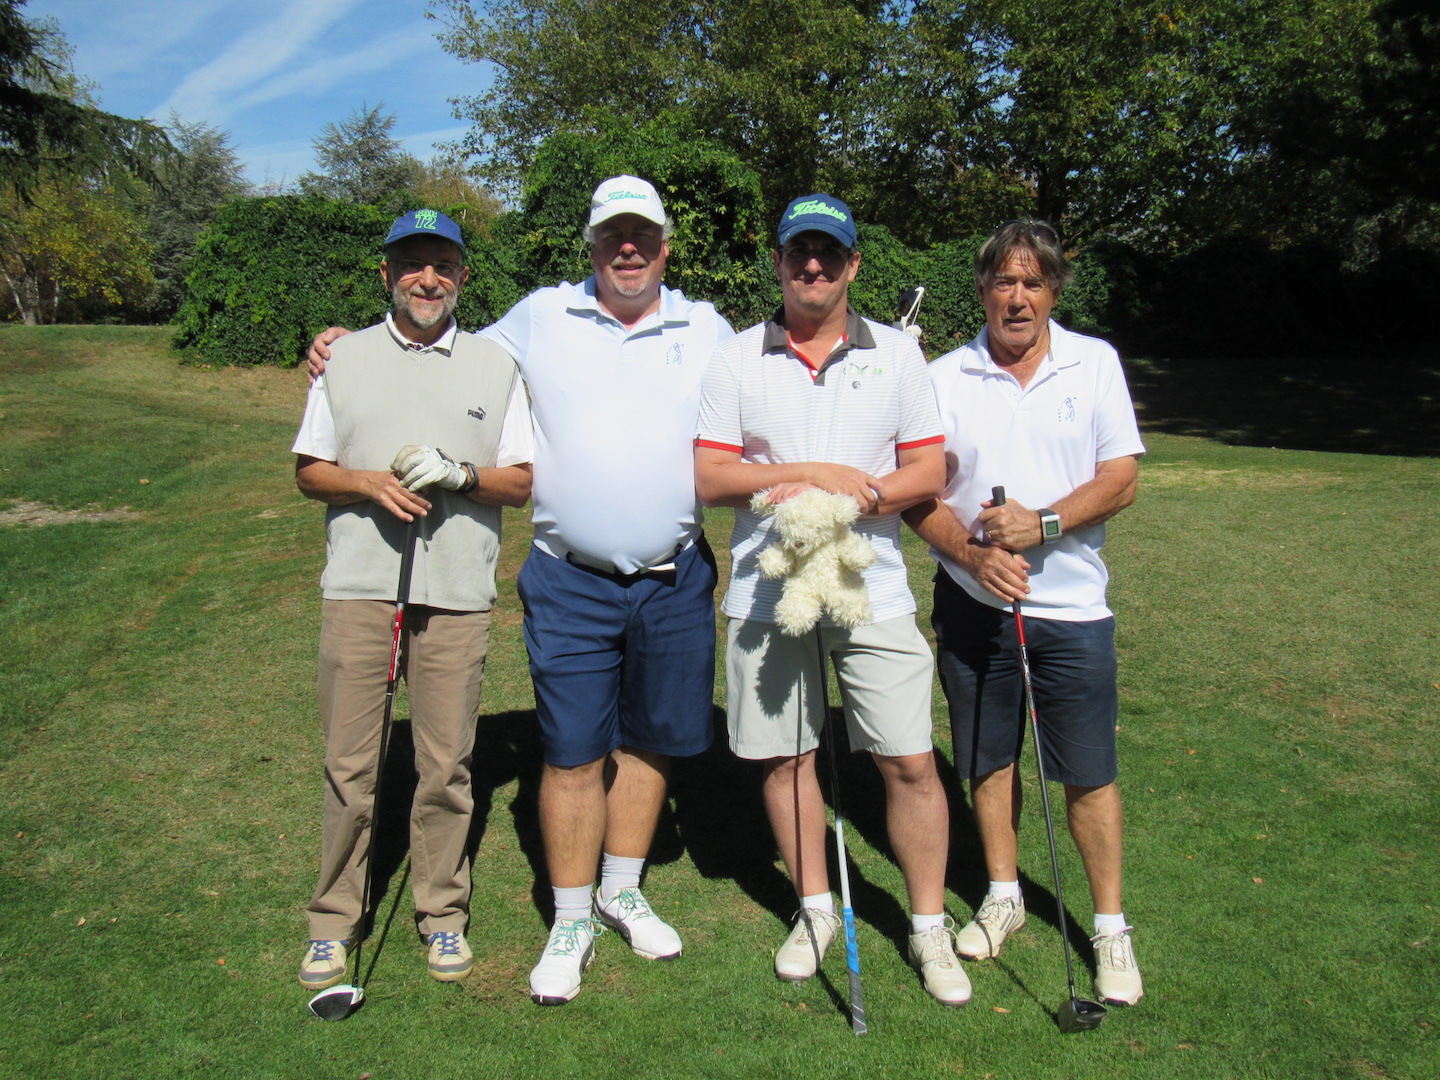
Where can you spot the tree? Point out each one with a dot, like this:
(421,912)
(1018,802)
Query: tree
(191,186)
(360,162)
(833,94)
(47,123)
(68,246)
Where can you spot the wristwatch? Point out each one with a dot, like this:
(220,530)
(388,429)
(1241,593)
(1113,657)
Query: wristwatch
(472,478)
(1050,530)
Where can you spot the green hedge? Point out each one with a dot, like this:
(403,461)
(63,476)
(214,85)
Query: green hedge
(271,272)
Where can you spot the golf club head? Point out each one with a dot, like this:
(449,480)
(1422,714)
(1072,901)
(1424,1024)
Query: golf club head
(1077,1014)
(339,1001)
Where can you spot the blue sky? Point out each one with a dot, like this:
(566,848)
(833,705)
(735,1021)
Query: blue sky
(271,73)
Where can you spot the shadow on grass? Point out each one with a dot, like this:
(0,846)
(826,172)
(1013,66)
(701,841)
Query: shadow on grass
(1346,404)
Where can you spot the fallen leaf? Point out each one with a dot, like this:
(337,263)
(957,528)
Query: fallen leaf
(1191,752)
(221,961)
(998,1009)
(1182,1046)
(1258,880)
(81,922)
(144,481)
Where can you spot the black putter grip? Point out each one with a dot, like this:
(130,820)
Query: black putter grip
(997,495)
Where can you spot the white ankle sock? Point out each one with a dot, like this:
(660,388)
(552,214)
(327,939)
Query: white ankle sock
(1109,924)
(1009,889)
(572,903)
(920,923)
(619,872)
(820,902)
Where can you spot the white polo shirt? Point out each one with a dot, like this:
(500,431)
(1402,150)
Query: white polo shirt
(867,401)
(1041,443)
(614,415)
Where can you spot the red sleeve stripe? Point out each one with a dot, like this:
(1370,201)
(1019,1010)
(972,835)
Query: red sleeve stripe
(711,444)
(920,442)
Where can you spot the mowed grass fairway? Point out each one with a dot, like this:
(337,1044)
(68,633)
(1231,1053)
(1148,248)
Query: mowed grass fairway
(160,769)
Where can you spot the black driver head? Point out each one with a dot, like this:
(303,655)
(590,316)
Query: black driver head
(338,1002)
(1077,1014)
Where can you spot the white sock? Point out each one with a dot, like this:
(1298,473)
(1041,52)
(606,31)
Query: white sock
(1003,889)
(920,923)
(1109,924)
(819,902)
(619,872)
(572,903)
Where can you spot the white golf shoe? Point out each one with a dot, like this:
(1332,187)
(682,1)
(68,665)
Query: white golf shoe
(932,953)
(982,937)
(646,933)
(800,956)
(1117,976)
(556,978)
(324,964)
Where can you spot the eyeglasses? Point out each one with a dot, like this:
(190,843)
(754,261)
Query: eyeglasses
(408,267)
(825,253)
(1040,230)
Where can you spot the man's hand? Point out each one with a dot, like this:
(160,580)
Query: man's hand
(1011,525)
(320,350)
(420,466)
(1004,574)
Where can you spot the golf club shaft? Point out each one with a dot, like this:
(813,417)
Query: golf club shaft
(998,499)
(847,913)
(402,598)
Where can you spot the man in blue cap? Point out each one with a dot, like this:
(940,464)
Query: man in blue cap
(817,397)
(369,448)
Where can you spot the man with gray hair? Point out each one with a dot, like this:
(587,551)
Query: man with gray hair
(1045,413)
(618,587)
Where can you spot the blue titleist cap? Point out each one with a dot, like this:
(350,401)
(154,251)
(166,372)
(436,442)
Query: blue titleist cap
(424,223)
(818,213)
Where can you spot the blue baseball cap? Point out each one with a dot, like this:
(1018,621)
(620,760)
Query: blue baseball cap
(424,223)
(818,213)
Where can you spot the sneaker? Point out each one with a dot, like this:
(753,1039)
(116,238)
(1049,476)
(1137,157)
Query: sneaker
(324,964)
(1117,977)
(450,959)
(932,952)
(800,956)
(997,919)
(556,978)
(645,932)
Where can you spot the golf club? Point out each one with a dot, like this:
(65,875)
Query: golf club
(1077,1014)
(910,310)
(339,1001)
(852,950)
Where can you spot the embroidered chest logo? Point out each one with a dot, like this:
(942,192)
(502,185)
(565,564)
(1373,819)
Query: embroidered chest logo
(1066,413)
(675,354)
(857,372)
(479,414)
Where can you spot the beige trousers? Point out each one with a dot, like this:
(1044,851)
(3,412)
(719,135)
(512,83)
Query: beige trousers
(443,659)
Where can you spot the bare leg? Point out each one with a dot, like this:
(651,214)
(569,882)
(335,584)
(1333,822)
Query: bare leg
(1096,823)
(797,817)
(635,791)
(572,821)
(997,800)
(918,820)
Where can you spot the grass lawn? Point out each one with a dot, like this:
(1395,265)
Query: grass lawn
(160,770)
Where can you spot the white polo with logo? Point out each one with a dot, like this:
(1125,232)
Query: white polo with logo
(614,415)
(1040,442)
(869,400)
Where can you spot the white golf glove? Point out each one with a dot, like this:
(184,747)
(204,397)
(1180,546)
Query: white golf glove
(420,466)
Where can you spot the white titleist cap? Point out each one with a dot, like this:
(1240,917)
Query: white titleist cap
(626,195)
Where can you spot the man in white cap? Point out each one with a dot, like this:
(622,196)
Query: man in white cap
(618,588)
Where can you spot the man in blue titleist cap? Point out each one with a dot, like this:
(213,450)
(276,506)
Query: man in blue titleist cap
(369,448)
(817,397)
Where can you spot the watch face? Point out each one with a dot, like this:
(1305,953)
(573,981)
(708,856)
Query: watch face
(1050,526)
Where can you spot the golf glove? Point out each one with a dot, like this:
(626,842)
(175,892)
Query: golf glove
(421,466)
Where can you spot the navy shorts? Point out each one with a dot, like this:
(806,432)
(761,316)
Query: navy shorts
(621,661)
(1072,669)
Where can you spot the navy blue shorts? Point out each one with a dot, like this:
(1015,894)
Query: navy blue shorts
(620,661)
(1072,669)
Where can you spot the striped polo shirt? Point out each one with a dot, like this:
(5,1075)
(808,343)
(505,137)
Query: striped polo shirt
(869,399)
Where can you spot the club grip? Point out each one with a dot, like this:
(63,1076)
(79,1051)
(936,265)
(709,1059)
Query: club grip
(997,495)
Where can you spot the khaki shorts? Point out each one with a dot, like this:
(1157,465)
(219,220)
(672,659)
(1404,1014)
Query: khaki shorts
(774,702)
